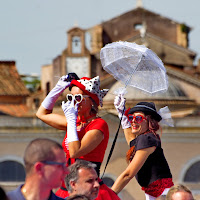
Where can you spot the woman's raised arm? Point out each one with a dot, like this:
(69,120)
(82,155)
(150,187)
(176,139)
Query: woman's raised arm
(54,120)
(45,110)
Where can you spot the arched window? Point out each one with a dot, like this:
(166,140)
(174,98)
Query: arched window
(193,173)
(108,181)
(138,26)
(76,45)
(11,171)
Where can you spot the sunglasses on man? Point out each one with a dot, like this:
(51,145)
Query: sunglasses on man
(48,162)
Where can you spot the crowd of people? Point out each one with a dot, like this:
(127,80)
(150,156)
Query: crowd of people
(74,167)
(46,169)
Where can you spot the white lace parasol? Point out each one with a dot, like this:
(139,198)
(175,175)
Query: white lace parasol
(134,65)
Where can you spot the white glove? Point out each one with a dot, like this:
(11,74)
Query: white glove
(71,112)
(53,95)
(119,103)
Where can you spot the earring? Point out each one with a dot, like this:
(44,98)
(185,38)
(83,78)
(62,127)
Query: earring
(94,108)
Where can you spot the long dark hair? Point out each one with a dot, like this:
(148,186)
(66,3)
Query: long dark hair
(153,127)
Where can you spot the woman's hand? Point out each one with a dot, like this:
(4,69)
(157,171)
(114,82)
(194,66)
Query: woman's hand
(119,103)
(71,112)
(45,110)
(53,95)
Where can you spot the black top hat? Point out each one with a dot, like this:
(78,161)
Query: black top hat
(148,108)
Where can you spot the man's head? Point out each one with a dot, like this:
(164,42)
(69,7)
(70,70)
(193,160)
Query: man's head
(82,179)
(45,162)
(179,192)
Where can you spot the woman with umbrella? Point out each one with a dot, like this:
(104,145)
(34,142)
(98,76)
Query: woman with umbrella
(146,158)
(86,134)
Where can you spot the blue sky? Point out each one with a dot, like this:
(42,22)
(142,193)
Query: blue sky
(33,32)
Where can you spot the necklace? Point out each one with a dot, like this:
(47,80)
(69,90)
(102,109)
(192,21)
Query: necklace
(82,122)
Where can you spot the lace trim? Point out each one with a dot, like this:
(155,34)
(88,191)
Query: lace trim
(156,188)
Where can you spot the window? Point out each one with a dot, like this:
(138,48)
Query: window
(11,171)
(138,26)
(47,88)
(76,45)
(108,181)
(193,173)
(36,101)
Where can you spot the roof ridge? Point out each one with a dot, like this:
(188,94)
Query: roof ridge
(183,76)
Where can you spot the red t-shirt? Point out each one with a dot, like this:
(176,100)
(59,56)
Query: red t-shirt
(97,154)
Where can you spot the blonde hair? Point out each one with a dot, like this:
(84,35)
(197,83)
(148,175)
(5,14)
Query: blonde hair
(178,188)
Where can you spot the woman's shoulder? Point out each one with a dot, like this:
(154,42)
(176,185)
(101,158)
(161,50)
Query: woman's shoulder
(149,137)
(98,120)
(146,140)
(97,123)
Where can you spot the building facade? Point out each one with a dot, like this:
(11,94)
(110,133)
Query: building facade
(170,41)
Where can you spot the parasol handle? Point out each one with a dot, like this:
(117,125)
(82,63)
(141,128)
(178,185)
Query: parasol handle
(113,144)
(123,90)
(133,71)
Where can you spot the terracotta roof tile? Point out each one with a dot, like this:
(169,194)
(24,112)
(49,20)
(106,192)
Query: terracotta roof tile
(10,81)
(16,110)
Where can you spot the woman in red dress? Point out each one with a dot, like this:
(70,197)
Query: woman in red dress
(86,134)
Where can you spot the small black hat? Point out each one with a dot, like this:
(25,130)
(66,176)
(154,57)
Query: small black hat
(72,76)
(148,108)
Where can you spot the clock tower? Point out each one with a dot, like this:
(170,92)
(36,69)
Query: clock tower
(76,57)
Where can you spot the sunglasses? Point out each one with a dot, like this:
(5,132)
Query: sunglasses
(47,162)
(138,119)
(77,97)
